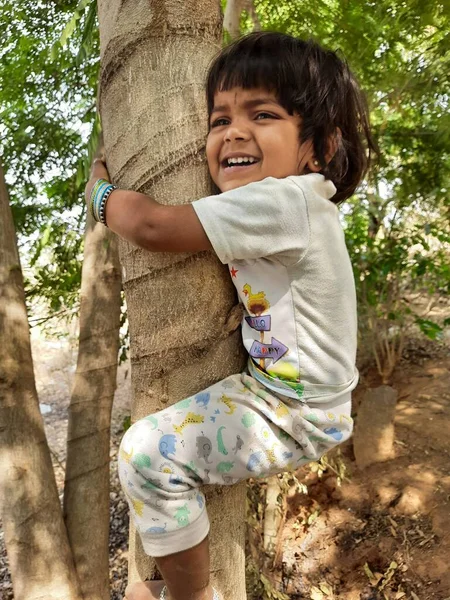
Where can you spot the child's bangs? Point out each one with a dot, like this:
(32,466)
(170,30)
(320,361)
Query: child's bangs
(248,70)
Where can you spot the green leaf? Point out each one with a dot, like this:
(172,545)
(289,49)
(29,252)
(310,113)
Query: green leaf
(431,329)
(71,25)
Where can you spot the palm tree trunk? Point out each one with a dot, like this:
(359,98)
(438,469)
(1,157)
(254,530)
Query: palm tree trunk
(154,58)
(35,537)
(86,489)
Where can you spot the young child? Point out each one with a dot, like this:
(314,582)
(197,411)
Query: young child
(288,139)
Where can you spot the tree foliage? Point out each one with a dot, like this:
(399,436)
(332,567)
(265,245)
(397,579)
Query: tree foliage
(48,77)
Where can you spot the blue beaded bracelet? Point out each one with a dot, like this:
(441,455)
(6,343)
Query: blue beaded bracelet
(100,193)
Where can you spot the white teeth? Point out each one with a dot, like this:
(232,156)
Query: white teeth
(241,159)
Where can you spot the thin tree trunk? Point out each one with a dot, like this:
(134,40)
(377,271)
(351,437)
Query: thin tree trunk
(86,489)
(272,515)
(232,17)
(35,537)
(249,6)
(154,60)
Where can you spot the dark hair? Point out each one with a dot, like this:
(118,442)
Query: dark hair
(312,82)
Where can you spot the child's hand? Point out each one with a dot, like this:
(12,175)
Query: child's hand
(98,171)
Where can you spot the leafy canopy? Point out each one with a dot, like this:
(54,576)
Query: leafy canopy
(47,111)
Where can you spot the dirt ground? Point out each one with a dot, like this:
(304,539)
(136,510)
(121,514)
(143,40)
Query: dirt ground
(382,533)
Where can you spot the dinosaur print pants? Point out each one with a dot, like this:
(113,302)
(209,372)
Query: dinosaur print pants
(233,430)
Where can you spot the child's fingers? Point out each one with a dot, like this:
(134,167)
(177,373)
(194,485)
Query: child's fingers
(99,170)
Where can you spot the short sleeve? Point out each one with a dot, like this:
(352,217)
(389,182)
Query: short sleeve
(263,219)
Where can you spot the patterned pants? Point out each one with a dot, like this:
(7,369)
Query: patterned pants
(233,430)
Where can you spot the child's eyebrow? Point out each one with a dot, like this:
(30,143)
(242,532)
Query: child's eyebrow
(247,104)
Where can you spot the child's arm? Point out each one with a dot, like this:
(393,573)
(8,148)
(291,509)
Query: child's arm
(148,224)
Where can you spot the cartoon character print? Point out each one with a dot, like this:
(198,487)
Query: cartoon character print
(248,419)
(225,466)
(186,403)
(138,506)
(281,410)
(334,433)
(141,461)
(204,448)
(190,419)
(124,455)
(220,444)
(153,420)
(255,461)
(202,399)
(157,530)
(239,444)
(182,515)
(256,303)
(228,384)
(270,454)
(167,445)
(229,403)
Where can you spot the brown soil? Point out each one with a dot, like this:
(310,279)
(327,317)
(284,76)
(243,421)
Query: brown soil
(383,533)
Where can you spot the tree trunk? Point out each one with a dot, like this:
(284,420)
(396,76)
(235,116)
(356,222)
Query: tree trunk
(86,489)
(272,515)
(35,537)
(249,6)
(154,60)
(232,17)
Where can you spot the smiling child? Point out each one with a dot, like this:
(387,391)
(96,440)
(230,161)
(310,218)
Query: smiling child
(288,140)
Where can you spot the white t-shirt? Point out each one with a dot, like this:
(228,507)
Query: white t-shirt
(285,249)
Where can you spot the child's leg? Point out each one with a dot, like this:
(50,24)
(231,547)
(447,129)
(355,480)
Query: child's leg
(185,574)
(232,431)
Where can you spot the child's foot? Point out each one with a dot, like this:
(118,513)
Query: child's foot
(151,590)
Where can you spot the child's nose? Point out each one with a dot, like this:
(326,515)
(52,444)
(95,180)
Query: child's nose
(236,131)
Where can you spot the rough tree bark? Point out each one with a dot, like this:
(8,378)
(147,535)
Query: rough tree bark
(183,327)
(35,536)
(86,488)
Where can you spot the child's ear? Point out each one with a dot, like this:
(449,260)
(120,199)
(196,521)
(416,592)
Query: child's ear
(334,142)
(314,165)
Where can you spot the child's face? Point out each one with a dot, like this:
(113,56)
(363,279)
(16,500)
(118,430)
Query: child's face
(252,124)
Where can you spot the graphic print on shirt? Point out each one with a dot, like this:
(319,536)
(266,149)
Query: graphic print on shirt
(257,304)
(269,329)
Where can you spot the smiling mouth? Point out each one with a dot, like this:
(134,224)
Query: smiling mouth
(239,163)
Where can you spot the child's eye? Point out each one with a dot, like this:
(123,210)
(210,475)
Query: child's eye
(265,115)
(220,121)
